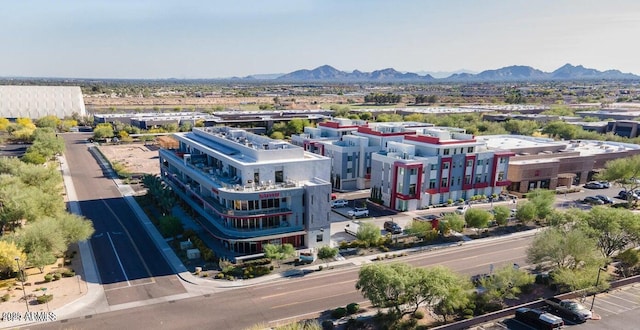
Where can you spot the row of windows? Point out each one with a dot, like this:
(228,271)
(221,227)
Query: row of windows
(455,151)
(248,205)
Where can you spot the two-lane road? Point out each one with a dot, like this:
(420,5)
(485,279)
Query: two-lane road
(130,266)
(301,297)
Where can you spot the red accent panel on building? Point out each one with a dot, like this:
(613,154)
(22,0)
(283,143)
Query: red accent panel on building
(503,183)
(367,130)
(392,203)
(431,191)
(435,140)
(481,185)
(442,161)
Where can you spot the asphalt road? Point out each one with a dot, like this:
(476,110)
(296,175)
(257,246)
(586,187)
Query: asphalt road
(301,297)
(130,266)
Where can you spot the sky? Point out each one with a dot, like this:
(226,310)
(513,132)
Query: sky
(157,39)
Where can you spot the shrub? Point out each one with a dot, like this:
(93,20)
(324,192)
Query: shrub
(48,278)
(419,314)
(56,276)
(45,298)
(69,273)
(339,312)
(327,325)
(353,308)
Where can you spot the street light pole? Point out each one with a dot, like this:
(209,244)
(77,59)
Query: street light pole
(593,300)
(24,294)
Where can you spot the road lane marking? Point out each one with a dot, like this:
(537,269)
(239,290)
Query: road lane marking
(130,286)
(305,289)
(308,300)
(118,257)
(133,243)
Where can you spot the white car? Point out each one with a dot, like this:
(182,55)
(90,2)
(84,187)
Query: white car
(358,212)
(462,209)
(339,203)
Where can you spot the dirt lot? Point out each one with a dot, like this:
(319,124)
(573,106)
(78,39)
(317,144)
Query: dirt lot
(136,157)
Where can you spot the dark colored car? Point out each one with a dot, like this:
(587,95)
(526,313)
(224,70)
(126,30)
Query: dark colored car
(605,199)
(539,319)
(593,200)
(623,194)
(392,227)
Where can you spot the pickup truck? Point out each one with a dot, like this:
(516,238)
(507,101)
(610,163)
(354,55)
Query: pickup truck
(569,309)
(538,319)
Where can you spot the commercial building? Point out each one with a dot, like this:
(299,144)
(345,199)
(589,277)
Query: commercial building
(436,165)
(349,144)
(39,101)
(251,190)
(545,163)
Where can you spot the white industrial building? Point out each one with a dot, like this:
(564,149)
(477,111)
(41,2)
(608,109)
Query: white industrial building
(40,101)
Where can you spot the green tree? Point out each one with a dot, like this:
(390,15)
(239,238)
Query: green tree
(41,257)
(103,131)
(506,283)
(326,252)
(422,229)
(404,288)
(581,278)
(630,260)
(560,129)
(526,212)
(74,228)
(564,249)
(369,233)
(501,215)
(170,226)
(477,218)
(543,200)
(451,221)
(48,121)
(277,135)
(279,252)
(624,172)
(612,228)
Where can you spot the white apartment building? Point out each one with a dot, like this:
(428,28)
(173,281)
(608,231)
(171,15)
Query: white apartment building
(251,189)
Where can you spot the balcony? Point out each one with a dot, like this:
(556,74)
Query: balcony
(224,181)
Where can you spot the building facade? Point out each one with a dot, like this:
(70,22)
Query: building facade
(547,164)
(436,165)
(251,190)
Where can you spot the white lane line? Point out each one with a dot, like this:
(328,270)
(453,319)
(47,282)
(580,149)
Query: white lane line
(118,257)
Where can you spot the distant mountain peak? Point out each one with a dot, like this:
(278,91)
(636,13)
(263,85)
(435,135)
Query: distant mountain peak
(327,73)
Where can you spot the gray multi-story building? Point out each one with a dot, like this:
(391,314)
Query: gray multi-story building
(251,189)
(436,165)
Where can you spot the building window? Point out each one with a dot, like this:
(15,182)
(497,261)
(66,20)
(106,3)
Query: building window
(412,189)
(349,170)
(279,176)
(349,158)
(461,150)
(458,181)
(503,160)
(445,152)
(480,162)
(478,178)
(413,171)
(319,238)
(467,179)
(445,166)
(444,183)
(470,149)
(432,184)
(434,167)
(500,176)
(470,163)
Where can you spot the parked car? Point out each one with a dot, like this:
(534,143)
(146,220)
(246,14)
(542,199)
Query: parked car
(623,194)
(462,209)
(339,203)
(605,184)
(392,227)
(605,199)
(594,185)
(358,212)
(539,319)
(593,200)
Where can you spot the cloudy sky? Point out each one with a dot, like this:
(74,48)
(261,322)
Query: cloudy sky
(214,39)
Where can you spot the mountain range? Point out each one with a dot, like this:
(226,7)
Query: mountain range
(327,73)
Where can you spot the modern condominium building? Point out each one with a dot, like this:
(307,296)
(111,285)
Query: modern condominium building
(436,165)
(251,189)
